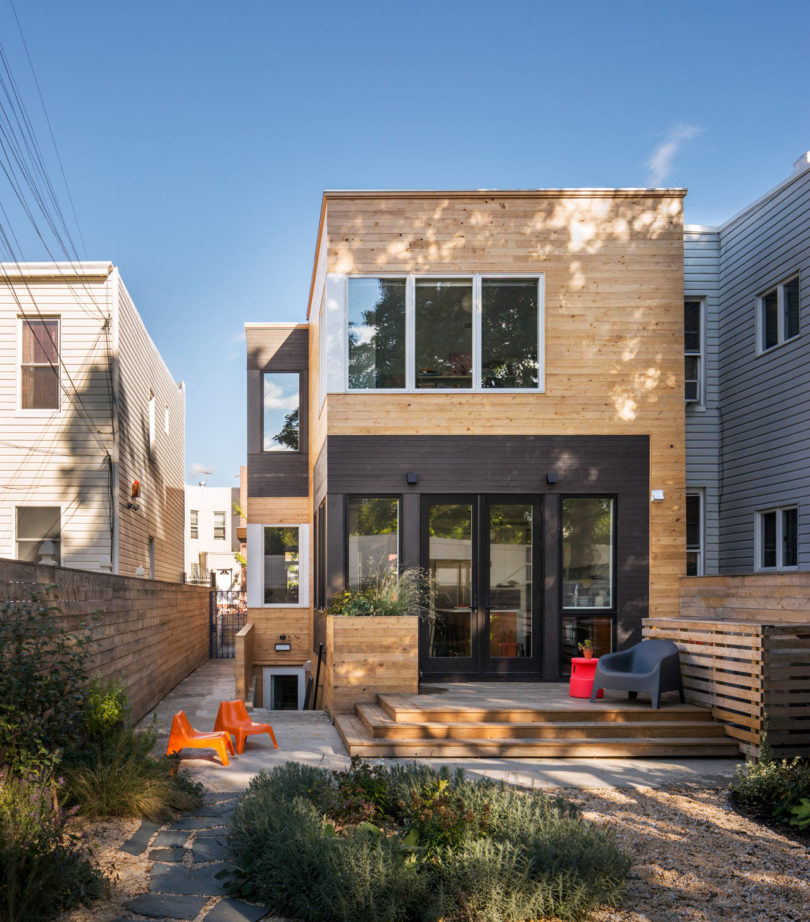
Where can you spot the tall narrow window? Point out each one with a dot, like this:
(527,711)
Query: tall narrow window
(376,334)
(280,417)
(694,534)
(281,565)
(219,526)
(151,558)
(444,343)
(587,565)
(39,537)
(692,343)
(779,314)
(39,366)
(194,523)
(509,333)
(373,546)
(152,433)
(777,539)
(166,419)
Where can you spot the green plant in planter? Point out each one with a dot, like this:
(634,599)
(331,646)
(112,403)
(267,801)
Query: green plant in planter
(389,594)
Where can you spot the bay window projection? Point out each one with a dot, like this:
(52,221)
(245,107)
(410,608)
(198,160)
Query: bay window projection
(39,366)
(281,565)
(376,312)
(280,424)
(509,333)
(373,539)
(444,338)
(587,547)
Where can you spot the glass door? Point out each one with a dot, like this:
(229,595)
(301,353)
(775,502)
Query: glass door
(482,554)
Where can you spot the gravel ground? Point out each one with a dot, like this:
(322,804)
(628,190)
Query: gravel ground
(694,860)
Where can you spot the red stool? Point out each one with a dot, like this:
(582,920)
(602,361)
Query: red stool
(582,672)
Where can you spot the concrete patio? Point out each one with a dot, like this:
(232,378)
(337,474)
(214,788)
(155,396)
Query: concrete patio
(309,737)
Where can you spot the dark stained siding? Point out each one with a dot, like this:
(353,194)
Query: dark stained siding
(276,473)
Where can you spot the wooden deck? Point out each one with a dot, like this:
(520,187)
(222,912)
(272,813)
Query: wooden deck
(526,719)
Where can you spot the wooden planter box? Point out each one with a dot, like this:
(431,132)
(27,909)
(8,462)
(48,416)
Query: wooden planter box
(367,656)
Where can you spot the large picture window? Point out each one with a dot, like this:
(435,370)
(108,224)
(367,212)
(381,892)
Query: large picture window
(376,310)
(444,341)
(37,527)
(509,333)
(280,417)
(587,552)
(373,545)
(281,565)
(39,366)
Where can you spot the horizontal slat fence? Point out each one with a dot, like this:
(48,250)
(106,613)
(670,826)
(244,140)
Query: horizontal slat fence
(786,687)
(148,634)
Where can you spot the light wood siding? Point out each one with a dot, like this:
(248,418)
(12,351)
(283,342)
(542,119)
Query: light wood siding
(704,421)
(613,265)
(161,513)
(766,413)
(60,458)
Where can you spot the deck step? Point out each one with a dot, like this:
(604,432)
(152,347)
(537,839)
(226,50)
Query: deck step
(359,741)
(380,725)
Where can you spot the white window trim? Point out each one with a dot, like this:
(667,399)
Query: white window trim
(214,526)
(42,505)
(701,551)
(477,314)
(193,525)
(779,536)
(700,401)
(255,573)
(779,288)
(152,432)
(268,671)
(19,409)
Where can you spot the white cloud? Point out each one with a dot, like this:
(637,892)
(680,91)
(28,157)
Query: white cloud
(197,468)
(660,162)
(279,398)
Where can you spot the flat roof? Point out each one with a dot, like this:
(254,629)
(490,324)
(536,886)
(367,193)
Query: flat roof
(504,193)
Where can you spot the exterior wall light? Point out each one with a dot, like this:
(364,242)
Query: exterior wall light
(657,496)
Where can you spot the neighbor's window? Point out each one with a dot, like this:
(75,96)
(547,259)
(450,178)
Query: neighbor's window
(219,526)
(778,539)
(694,534)
(444,340)
(692,347)
(509,333)
(151,424)
(779,314)
(373,545)
(281,565)
(194,523)
(280,419)
(39,366)
(35,526)
(587,548)
(376,312)
(166,420)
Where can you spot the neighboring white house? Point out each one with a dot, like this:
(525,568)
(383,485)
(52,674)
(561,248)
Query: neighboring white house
(89,415)
(211,541)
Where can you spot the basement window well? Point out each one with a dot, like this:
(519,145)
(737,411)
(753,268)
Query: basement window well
(283,688)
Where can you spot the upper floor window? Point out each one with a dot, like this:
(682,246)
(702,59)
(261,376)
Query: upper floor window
(280,425)
(194,523)
(779,314)
(39,364)
(455,333)
(166,419)
(693,350)
(777,539)
(39,534)
(219,526)
(152,433)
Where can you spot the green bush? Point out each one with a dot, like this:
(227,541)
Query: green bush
(43,683)
(40,875)
(434,847)
(106,709)
(772,789)
(389,594)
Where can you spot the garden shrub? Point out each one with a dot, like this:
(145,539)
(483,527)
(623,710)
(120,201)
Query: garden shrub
(772,789)
(427,846)
(40,873)
(106,709)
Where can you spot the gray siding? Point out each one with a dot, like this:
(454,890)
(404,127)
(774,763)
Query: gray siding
(704,420)
(766,412)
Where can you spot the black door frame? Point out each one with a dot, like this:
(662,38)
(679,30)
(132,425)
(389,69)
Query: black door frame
(480,665)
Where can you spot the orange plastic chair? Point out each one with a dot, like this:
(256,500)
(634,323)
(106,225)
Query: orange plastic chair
(184,736)
(233,717)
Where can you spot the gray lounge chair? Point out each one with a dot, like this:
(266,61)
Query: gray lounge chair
(650,666)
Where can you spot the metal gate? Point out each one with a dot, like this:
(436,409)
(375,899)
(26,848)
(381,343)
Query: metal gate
(228,609)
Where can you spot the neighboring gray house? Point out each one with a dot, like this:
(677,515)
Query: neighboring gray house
(747,343)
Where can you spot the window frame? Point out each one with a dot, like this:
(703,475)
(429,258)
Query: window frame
(224,526)
(780,567)
(22,322)
(152,426)
(346,503)
(700,550)
(593,611)
(782,340)
(194,524)
(280,451)
(477,331)
(16,537)
(700,400)
(255,574)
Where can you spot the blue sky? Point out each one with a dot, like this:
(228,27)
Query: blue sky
(197,136)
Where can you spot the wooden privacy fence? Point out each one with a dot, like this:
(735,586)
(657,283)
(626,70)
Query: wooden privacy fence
(148,634)
(753,676)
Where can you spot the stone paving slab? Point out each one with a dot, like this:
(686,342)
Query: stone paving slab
(230,910)
(220,832)
(137,842)
(190,821)
(169,838)
(172,878)
(161,906)
(210,849)
(174,854)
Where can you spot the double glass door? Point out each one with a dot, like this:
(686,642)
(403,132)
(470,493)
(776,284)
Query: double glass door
(483,556)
